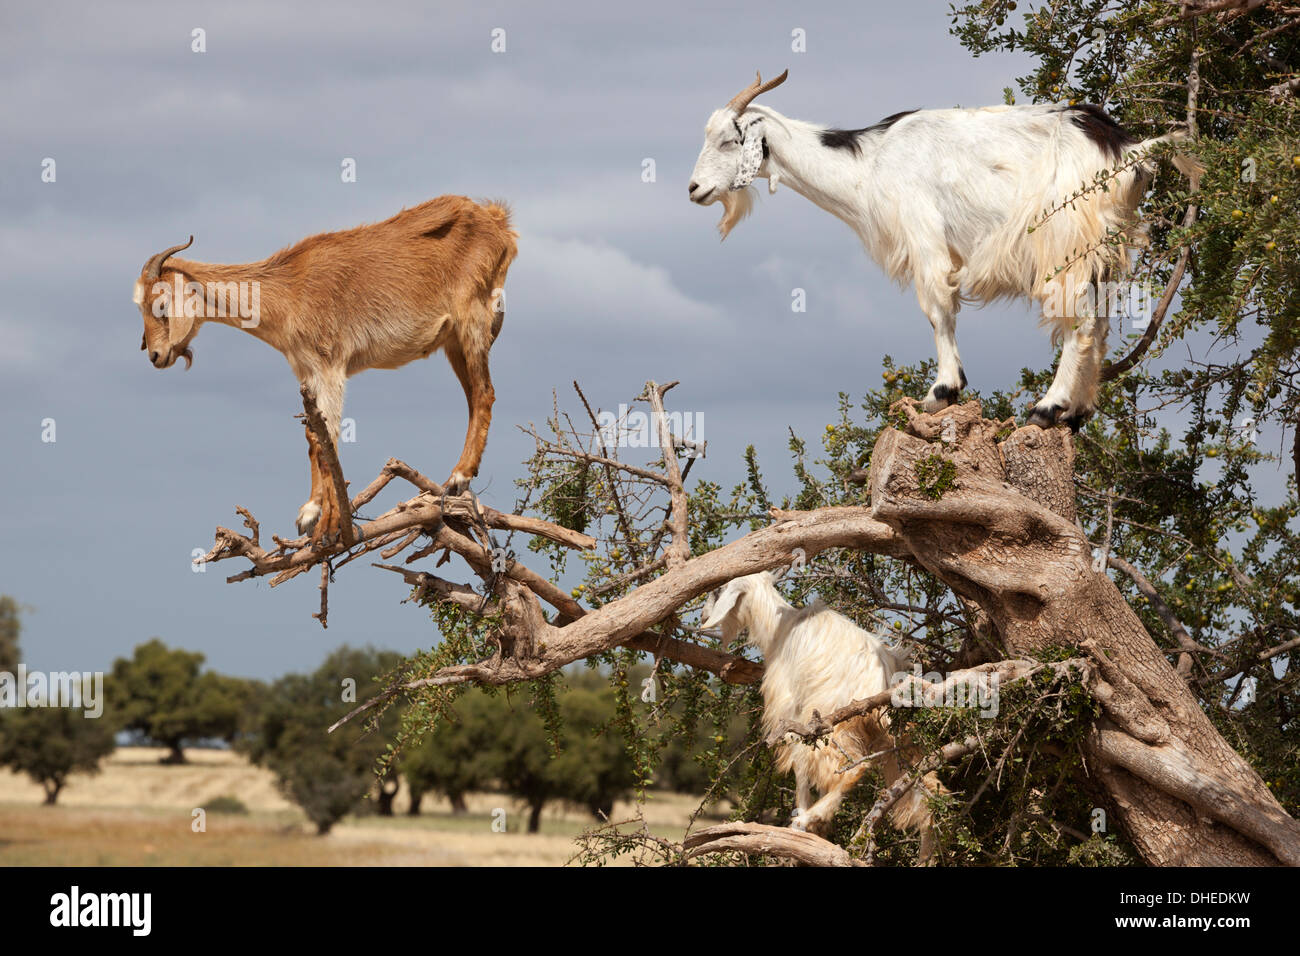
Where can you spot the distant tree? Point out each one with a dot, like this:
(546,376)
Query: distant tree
(457,757)
(522,758)
(49,743)
(160,693)
(562,748)
(594,767)
(327,775)
(10,627)
(46,743)
(250,696)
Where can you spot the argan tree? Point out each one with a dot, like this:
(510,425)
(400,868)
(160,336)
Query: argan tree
(453,759)
(160,693)
(10,626)
(327,776)
(1129,591)
(48,744)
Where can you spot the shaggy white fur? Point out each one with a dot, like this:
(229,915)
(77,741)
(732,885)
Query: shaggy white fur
(817,659)
(952,201)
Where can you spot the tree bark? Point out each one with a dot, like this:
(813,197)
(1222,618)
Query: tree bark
(1002,534)
(384,800)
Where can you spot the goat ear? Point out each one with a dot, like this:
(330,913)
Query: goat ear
(179,320)
(720,612)
(751,155)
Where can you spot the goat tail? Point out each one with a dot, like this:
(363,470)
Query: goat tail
(499,210)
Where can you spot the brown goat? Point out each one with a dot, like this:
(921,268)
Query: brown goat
(335,304)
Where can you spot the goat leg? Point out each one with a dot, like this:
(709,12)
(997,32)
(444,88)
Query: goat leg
(469,360)
(328,525)
(309,514)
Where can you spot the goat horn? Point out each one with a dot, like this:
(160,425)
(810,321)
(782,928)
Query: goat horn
(747,95)
(154,269)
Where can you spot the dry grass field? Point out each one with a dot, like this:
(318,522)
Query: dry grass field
(137,812)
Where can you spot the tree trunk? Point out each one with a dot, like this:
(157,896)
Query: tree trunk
(417,797)
(176,754)
(458,804)
(384,801)
(1002,534)
(52,791)
(535,816)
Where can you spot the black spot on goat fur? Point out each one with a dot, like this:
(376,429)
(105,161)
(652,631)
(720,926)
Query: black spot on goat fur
(1044,416)
(1097,124)
(848,138)
(1079,419)
(946,394)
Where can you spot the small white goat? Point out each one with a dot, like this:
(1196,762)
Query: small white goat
(950,200)
(817,659)
(378,296)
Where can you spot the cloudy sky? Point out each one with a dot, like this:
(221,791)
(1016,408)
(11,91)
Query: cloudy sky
(618,280)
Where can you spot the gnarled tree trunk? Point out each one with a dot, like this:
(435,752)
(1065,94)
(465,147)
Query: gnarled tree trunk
(999,528)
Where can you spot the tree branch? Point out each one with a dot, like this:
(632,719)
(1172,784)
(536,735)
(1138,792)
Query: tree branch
(915,692)
(758,839)
(1113,370)
(1170,769)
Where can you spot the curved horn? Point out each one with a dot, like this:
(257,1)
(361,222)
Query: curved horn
(154,268)
(746,96)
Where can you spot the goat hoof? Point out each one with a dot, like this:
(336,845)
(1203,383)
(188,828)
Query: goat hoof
(941,396)
(308,515)
(1077,420)
(798,825)
(1044,416)
(458,483)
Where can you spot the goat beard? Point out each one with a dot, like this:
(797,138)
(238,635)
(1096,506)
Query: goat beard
(736,205)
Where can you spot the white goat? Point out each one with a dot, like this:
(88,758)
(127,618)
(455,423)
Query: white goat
(817,659)
(951,201)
